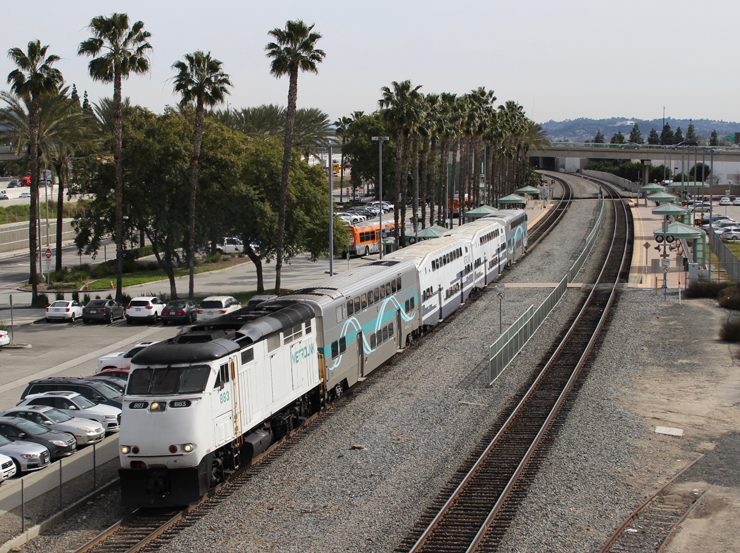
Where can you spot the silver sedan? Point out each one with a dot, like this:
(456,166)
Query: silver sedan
(85,431)
(27,456)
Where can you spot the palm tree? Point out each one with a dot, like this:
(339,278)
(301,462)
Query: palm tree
(125,51)
(398,107)
(34,78)
(104,114)
(200,81)
(294,50)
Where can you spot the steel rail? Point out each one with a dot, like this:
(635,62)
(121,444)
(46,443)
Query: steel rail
(422,540)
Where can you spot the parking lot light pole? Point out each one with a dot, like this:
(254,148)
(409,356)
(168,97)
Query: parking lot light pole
(331,215)
(380,140)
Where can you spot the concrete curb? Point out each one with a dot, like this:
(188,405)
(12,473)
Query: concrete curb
(52,521)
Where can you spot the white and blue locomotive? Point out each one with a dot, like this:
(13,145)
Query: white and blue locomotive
(203,403)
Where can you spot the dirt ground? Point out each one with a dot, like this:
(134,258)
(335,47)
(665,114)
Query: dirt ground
(692,382)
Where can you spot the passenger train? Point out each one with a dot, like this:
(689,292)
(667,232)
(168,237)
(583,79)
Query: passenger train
(199,405)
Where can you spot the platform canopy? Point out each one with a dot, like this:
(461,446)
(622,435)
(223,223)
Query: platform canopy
(528,190)
(653,188)
(662,197)
(691,184)
(512,199)
(680,231)
(670,209)
(479,212)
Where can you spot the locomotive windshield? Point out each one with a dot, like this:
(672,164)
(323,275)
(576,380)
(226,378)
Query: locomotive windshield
(168,380)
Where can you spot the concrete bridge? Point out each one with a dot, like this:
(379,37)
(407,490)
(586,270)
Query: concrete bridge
(633,151)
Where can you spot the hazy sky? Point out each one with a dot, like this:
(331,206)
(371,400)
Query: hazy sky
(559,59)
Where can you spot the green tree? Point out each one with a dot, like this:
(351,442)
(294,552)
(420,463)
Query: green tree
(363,152)
(311,131)
(86,109)
(714,139)
(599,138)
(124,51)
(699,172)
(617,138)
(635,135)
(34,77)
(265,121)
(691,133)
(342,130)
(666,135)
(653,137)
(294,50)
(678,137)
(201,81)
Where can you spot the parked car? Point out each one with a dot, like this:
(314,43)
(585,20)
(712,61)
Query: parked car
(230,245)
(27,456)
(15,183)
(725,201)
(95,391)
(120,374)
(719,224)
(62,310)
(254,301)
(85,431)
(180,311)
(102,310)
(215,306)
(59,444)
(77,405)
(7,467)
(112,381)
(730,233)
(4,338)
(3,196)
(144,308)
(120,359)
(25,195)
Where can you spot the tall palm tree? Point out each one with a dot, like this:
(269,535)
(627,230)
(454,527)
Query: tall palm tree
(104,114)
(201,81)
(294,50)
(445,128)
(124,51)
(33,78)
(311,131)
(398,107)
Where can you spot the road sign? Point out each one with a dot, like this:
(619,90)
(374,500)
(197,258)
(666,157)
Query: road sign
(665,270)
(729,137)
(500,296)
(48,253)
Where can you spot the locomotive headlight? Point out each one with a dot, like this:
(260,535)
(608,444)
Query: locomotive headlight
(187,448)
(125,449)
(158,406)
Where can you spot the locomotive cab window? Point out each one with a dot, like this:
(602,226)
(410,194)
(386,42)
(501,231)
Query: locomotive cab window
(168,380)
(308,327)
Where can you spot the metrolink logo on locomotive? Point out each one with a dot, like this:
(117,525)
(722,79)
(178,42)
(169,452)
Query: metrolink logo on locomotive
(303,353)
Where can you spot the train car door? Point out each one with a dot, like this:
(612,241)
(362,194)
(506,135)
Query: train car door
(400,330)
(360,355)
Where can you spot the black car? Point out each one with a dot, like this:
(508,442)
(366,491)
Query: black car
(102,310)
(60,444)
(112,381)
(96,391)
(180,311)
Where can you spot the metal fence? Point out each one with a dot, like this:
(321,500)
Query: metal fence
(14,236)
(27,501)
(729,262)
(511,341)
(624,184)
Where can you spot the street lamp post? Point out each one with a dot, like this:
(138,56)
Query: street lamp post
(380,140)
(331,216)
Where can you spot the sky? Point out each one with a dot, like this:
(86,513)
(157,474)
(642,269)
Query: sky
(559,59)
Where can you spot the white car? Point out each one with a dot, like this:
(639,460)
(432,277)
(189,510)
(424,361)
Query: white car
(7,467)
(144,308)
(725,201)
(25,195)
(4,338)
(216,306)
(76,405)
(64,310)
(736,201)
(120,359)
(230,245)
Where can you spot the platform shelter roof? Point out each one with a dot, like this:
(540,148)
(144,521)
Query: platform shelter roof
(670,209)
(662,197)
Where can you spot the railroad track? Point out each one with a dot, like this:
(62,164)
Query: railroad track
(149,528)
(651,525)
(549,221)
(474,511)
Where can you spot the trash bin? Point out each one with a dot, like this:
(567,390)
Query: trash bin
(389,245)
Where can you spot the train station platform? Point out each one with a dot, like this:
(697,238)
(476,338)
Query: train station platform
(646,270)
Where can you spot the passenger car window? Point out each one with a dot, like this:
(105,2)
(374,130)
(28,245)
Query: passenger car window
(334,349)
(350,308)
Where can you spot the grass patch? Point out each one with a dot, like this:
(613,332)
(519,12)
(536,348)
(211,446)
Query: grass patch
(705,289)
(143,277)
